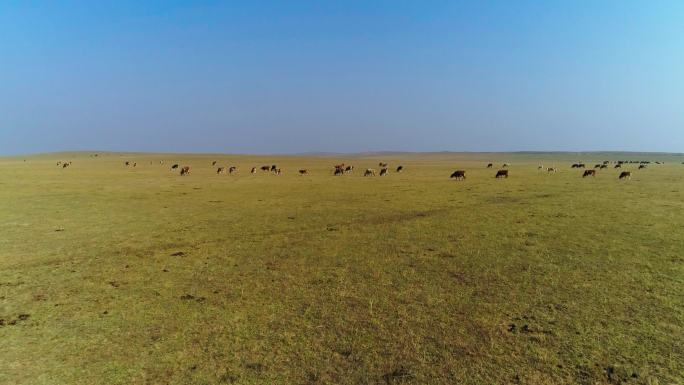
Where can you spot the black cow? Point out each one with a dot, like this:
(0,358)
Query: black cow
(589,173)
(502,174)
(458,174)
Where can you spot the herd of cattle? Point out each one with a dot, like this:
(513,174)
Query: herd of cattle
(341,169)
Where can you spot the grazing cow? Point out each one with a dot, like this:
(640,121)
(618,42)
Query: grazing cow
(383,171)
(589,173)
(60,163)
(369,172)
(604,166)
(175,166)
(642,166)
(232,169)
(213,163)
(575,165)
(253,170)
(349,169)
(605,162)
(65,165)
(341,165)
(458,174)
(274,168)
(265,168)
(400,168)
(597,166)
(625,174)
(490,165)
(135,164)
(277,171)
(221,170)
(127,163)
(551,169)
(303,171)
(619,165)
(185,170)
(504,165)
(338,171)
(502,174)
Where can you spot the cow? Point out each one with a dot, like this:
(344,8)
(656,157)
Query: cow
(213,163)
(274,168)
(60,163)
(381,164)
(490,165)
(642,166)
(369,172)
(604,166)
(625,174)
(349,169)
(265,168)
(221,170)
(551,170)
(504,165)
(175,166)
(502,174)
(400,168)
(253,171)
(303,171)
(619,165)
(597,165)
(605,162)
(589,173)
(135,164)
(575,165)
(65,165)
(277,171)
(232,169)
(341,165)
(383,171)
(458,174)
(338,171)
(127,163)
(185,170)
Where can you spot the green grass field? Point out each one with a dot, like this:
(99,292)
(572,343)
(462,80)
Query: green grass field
(116,275)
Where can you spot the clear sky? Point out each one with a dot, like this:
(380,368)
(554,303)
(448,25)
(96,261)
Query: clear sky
(341,76)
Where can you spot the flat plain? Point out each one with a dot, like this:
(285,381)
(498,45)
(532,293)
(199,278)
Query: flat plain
(135,275)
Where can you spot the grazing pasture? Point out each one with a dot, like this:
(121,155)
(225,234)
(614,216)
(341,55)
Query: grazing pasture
(120,275)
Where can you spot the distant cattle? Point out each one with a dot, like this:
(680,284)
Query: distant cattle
(221,170)
(458,174)
(381,164)
(60,163)
(597,165)
(213,163)
(605,162)
(490,165)
(400,168)
(232,169)
(589,173)
(175,166)
(338,171)
(274,168)
(253,171)
(161,162)
(135,164)
(303,171)
(625,174)
(369,172)
(383,171)
(341,165)
(619,165)
(185,170)
(604,166)
(502,174)
(578,165)
(504,165)
(265,168)
(66,164)
(277,171)
(127,163)
(642,166)
(551,169)
(349,169)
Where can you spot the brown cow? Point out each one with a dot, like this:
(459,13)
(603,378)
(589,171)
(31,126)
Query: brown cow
(185,170)
(221,170)
(589,173)
(369,172)
(458,174)
(625,174)
(265,168)
(383,171)
(502,174)
(303,171)
(338,171)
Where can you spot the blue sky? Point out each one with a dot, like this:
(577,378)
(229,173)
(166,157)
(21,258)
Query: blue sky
(341,76)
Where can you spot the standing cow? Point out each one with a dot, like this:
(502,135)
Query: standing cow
(185,171)
(458,174)
(589,173)
(625,175)
(502,174)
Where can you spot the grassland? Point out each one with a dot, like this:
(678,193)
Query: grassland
(116,275)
